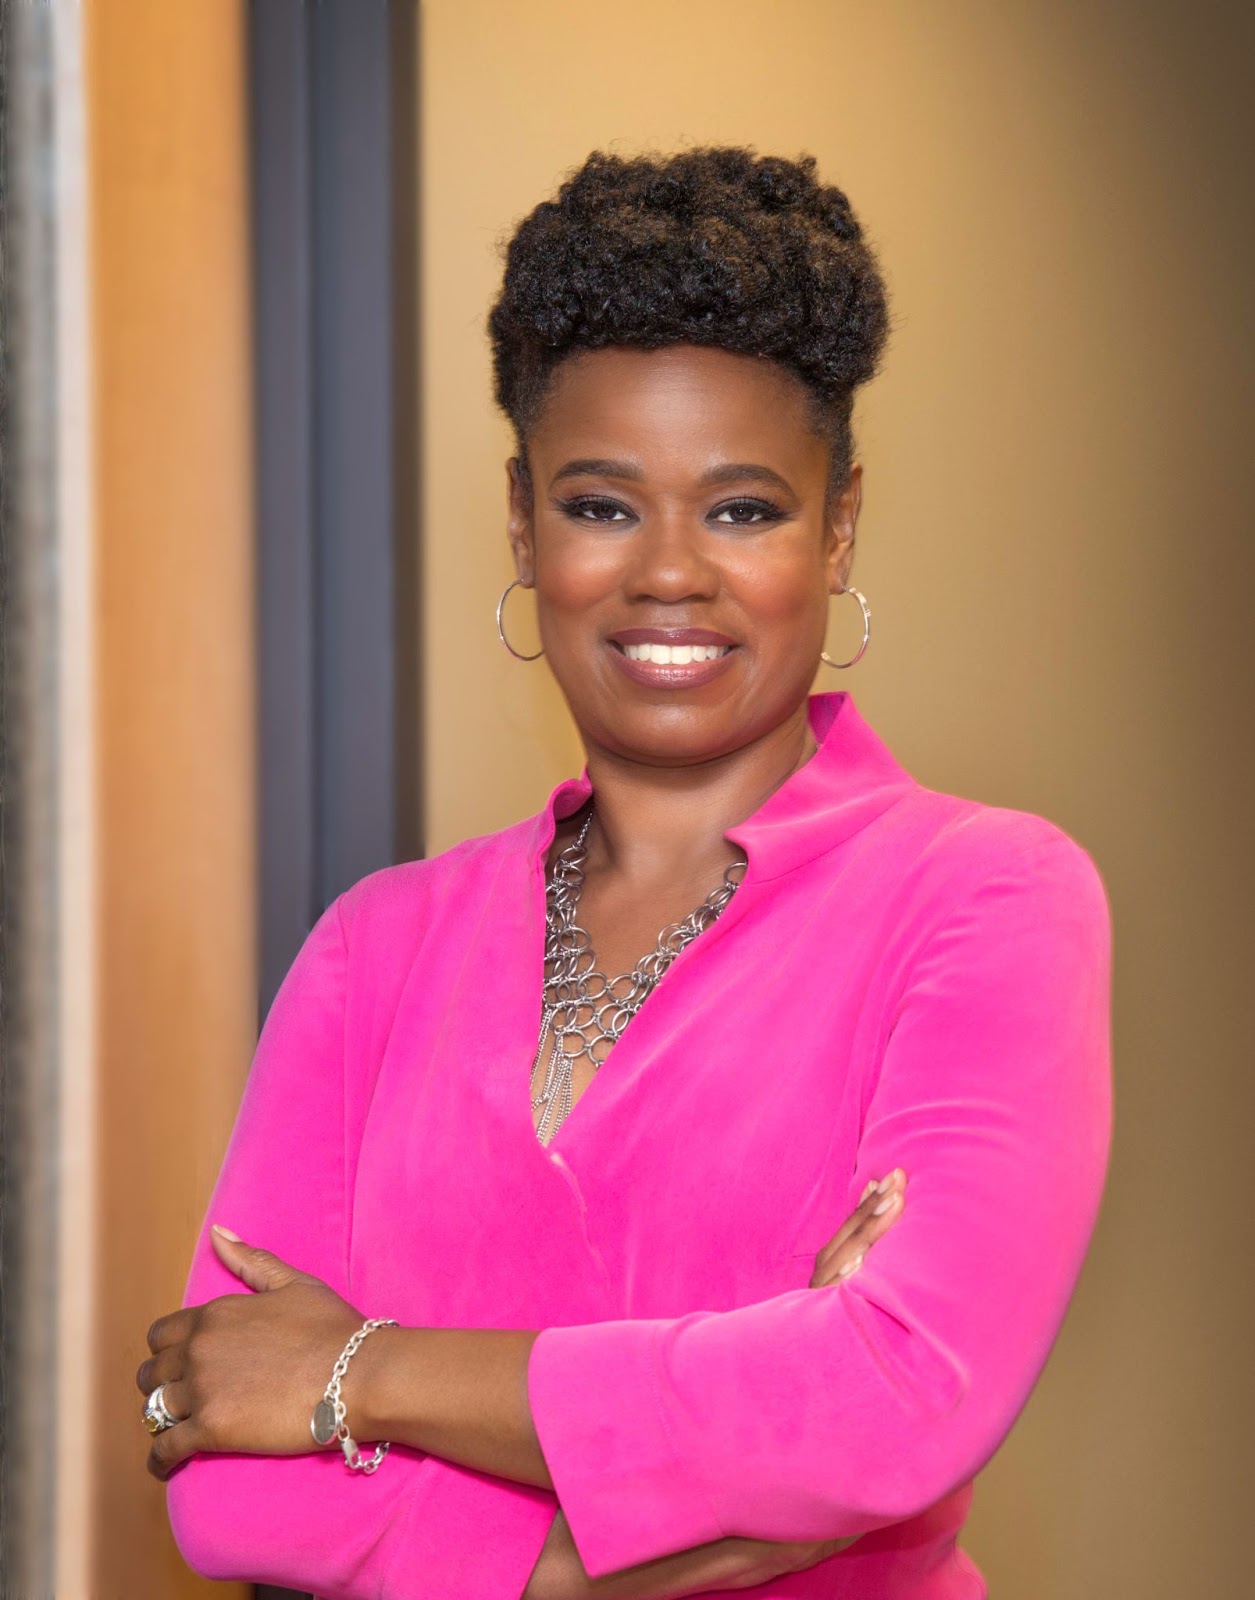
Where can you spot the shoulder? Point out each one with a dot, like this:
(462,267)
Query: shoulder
(974,837)
(967,849)
(395,904)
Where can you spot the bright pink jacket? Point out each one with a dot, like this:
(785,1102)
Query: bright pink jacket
(905,978)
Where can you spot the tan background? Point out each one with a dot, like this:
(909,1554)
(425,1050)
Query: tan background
(1056,547)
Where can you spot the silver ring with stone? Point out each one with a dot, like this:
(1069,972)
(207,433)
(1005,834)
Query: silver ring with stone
(156,1416)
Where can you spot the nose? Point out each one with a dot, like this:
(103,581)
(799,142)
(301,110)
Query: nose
(668,562)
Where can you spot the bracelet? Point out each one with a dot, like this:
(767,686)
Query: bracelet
(330,1419)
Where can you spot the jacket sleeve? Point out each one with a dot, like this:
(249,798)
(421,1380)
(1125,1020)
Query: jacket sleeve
(420,1527)
(827,1412)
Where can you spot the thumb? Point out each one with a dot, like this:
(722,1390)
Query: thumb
(259,1269)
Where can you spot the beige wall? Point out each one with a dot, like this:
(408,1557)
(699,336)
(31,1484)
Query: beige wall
(1056,549)
(172,620)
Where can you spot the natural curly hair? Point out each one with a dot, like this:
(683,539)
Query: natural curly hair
(712,246)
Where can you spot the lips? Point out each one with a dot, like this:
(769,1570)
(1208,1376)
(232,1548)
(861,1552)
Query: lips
(671,658)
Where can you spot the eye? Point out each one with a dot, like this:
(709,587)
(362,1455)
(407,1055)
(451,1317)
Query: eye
(746,513)
(593,508)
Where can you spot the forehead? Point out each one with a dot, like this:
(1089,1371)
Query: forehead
(683,404)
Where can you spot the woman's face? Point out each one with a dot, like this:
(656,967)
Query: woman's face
(680,548)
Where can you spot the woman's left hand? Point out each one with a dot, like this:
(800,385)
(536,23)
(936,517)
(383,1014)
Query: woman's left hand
(243,1373)
(879,1208)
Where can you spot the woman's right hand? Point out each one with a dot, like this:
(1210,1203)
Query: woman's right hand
(731,1563)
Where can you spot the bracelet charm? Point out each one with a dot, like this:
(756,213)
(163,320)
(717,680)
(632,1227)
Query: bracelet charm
(323,1423)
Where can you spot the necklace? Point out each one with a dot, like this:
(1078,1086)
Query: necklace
(584,1012)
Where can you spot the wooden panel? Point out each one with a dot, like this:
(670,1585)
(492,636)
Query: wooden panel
(177,974)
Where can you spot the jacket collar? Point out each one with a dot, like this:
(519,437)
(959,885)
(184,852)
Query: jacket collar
(851,780)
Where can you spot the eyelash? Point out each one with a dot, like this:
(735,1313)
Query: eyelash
(572,508)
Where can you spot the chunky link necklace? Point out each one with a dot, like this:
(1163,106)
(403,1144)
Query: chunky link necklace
(584,1012)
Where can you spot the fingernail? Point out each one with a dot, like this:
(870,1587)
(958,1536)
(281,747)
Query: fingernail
(849,1267)
(871,1185)
(886,1184)
(226,1233)
(888,1201)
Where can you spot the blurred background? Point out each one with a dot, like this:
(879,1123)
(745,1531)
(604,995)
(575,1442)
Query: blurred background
(253,537)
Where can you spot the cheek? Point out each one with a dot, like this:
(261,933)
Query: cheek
(790,589)
(576,575)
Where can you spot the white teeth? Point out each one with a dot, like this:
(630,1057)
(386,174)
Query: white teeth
(675,655)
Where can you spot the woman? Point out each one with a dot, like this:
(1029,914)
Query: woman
(631,1337)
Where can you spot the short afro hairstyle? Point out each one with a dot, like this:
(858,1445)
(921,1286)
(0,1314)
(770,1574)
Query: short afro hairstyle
(712,246)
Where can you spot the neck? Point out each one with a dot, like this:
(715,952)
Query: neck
(657,822)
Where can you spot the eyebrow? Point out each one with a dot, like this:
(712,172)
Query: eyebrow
(727,472)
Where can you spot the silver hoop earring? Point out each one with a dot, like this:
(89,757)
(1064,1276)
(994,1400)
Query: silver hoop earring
(517,654)
(867,632)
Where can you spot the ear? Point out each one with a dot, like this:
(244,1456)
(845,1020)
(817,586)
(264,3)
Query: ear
(519,528)
(842,520)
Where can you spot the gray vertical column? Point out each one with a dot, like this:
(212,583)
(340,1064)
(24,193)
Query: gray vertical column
(283,321)
(335,264)
(352,459)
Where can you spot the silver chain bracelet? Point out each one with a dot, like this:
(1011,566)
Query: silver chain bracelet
(330,1419)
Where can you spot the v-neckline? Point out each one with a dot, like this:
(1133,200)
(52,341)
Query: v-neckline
(618,978)
(631,1032)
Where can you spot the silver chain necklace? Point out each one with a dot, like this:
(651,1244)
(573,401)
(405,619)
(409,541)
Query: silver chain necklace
(584,1012)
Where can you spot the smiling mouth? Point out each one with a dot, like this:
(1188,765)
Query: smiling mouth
(672,655)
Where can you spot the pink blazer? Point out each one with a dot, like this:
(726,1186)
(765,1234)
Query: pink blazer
(905,978)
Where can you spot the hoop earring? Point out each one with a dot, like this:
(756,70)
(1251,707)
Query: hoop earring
(867,632)
(517,654)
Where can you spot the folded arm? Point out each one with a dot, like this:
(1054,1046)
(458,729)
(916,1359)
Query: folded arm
(421,1526)
(825,1413)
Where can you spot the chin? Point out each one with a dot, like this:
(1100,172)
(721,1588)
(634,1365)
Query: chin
(681,733)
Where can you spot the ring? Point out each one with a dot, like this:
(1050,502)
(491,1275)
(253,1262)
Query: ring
(156,1417)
